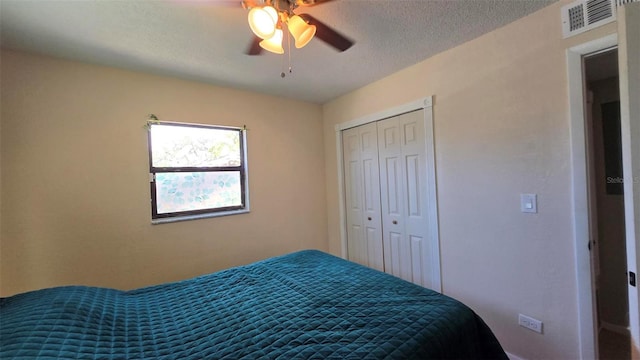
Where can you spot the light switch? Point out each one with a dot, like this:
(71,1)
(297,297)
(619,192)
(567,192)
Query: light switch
(529,203)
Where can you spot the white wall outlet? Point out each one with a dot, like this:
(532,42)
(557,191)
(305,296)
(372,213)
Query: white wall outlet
(529,203)
(530,323)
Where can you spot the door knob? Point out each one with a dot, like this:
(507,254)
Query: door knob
(369,218)
(395,222)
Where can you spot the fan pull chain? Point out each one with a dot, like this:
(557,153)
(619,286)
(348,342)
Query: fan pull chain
(289,50)
(282,74)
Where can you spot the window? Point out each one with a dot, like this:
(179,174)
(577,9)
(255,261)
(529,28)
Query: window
(196,171)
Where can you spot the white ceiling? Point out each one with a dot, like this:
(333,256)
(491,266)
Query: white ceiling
(205,40)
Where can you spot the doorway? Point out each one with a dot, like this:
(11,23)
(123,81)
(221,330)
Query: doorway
(606,204)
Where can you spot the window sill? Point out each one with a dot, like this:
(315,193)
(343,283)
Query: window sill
(196,217)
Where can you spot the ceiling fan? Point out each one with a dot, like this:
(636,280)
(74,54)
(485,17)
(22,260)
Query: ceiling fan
(269,19)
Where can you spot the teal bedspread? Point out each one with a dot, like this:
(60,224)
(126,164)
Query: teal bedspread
(305,305)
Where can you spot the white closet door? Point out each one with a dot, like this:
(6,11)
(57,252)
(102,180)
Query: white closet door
(396,249)
(362,190)
(403,180)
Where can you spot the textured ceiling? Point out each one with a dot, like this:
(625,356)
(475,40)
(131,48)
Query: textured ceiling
(205,40)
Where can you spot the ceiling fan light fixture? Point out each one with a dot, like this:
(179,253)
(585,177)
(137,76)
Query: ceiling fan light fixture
(301,31)
(274,43)
(263,21)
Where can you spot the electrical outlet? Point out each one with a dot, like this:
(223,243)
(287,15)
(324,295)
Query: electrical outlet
(530,323)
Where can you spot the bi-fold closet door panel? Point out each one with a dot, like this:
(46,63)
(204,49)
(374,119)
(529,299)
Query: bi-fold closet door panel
(385,195)
(362,192)
(403,174)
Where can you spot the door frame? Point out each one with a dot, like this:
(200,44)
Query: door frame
(425,104)
(587,316)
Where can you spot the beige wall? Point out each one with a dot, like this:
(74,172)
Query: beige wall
(501,128)
(75,188)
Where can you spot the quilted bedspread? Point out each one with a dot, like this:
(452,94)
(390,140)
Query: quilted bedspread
(305,305)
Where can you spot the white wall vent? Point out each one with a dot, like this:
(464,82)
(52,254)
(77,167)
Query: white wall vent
(583,15)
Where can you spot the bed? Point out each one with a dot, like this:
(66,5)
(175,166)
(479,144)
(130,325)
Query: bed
(305,305)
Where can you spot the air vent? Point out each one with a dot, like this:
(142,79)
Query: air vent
(583,15)
(576,18)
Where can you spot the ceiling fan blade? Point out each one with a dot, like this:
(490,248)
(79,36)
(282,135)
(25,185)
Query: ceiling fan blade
(311,2)
(325,33)
(254,48)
